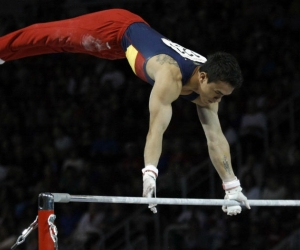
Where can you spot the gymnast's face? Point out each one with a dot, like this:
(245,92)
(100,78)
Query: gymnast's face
(214,91)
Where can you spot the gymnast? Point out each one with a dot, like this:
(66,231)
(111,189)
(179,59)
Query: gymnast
(171,69)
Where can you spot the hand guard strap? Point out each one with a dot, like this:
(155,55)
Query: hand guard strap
(231,184)
(150,168)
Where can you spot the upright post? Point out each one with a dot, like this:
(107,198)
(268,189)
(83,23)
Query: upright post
(45,209)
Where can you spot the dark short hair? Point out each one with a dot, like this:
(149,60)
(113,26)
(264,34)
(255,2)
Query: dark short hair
(222,66)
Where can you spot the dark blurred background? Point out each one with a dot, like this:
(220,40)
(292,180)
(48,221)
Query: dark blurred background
(77,124)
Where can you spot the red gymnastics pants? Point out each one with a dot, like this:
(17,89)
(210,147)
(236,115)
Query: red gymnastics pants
(98,34)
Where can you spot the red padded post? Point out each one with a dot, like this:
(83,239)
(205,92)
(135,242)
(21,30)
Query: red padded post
(46,208)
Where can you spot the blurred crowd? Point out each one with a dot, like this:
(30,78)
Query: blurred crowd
(77,124)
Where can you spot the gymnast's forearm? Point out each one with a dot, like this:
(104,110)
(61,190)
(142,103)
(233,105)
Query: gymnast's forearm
(153,149)
(219,153)
(160,117)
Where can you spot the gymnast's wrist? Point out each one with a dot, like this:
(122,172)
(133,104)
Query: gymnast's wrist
(151,169)
(230,184)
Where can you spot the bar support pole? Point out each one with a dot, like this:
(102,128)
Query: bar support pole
(45,209)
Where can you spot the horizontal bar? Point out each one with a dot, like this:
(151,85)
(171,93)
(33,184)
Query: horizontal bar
(65,198)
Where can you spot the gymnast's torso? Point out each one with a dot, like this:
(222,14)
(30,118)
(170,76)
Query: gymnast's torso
(141,43)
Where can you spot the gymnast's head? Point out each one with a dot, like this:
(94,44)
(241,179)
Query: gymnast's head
(218,77)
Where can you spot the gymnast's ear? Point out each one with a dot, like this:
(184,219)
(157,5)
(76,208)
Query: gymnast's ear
(202,76)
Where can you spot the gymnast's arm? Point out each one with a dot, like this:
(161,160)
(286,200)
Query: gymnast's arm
(164,92)
(219,153)
(218,145)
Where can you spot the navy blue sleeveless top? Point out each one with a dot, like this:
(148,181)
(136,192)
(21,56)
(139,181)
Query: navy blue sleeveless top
(140,42)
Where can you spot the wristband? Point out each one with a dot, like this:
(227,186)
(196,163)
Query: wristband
(150,168)
(231,184)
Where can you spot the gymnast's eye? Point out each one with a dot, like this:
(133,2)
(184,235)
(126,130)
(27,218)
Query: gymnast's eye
(219,93)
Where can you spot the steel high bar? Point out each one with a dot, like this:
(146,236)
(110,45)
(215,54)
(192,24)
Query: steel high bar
(65,198)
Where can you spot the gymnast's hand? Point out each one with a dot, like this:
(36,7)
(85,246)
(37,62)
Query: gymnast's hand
(233,191)
(150,174)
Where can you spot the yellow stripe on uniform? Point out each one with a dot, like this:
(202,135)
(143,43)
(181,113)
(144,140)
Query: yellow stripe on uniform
(131,54)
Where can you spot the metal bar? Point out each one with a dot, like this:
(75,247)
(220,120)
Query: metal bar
(65,198)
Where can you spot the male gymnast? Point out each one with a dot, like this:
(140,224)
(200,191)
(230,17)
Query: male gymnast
(171,69)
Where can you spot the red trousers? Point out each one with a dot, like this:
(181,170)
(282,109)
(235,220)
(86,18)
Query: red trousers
(98,34)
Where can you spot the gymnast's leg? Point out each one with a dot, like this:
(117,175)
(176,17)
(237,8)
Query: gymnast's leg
(43,38)
(98,34)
